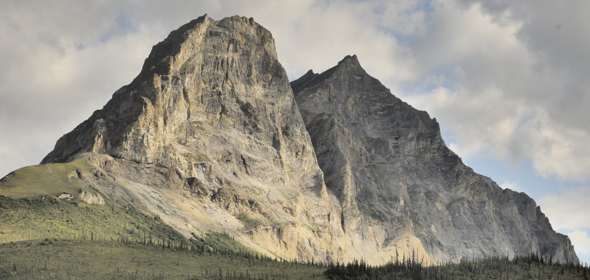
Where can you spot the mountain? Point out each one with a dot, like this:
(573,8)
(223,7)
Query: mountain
(208,139)
(400,185)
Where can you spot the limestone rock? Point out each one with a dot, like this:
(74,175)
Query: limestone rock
(91,198)
(390,169)
(208,137)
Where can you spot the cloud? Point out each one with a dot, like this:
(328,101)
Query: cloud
(502,85)
(510,185)
(55,75)
(581,241)
(568,210)
(317,34)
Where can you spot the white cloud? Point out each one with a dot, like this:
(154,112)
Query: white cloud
(324,33)
(568,210)
(47,90)
(581,241)
(492,124)
(510,185)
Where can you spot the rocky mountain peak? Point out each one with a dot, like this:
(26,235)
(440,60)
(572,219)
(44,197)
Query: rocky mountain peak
(184,38)
(159,58)
(209,138)
(227,56)
(392,173)
(348,81)
(348,67)
(349,61)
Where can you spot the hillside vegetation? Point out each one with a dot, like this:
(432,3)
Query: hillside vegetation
(521,268)
(61,259)
(51,259)
(48,217)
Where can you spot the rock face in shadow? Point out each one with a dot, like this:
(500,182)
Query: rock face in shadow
(390,169)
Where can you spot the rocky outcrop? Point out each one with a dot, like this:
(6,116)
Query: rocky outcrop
(390,169)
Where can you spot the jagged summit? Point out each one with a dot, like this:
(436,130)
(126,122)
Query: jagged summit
(349,61)
(156,60)
(349,65)
(348,77)
(304,80)
(159,58)
(199,53)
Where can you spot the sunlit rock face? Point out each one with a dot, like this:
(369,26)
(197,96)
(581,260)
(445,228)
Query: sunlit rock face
(212,115)
(390,169)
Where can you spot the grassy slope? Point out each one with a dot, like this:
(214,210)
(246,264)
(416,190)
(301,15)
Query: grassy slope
(47,217)
(29,209)
(47,179)
(109,260)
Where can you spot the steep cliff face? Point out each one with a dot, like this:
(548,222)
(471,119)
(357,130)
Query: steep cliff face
(212,117)
(390,169)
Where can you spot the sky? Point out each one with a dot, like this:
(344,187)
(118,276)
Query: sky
(507,80)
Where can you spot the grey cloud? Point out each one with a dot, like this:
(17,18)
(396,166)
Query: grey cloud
(499,47)
(554,31)
(571,215)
